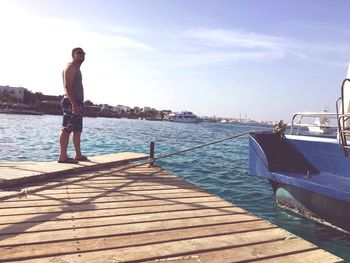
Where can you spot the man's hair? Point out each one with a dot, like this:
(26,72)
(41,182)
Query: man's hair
(76,49)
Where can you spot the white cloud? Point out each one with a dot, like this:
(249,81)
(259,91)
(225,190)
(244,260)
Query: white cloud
(235,39)
(206,47)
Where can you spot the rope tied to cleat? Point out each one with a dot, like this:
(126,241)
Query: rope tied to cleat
(152,158)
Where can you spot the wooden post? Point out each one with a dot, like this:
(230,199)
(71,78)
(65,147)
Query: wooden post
(151,155)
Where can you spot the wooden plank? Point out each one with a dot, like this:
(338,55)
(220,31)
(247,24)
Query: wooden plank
(30,203)
(47,226)
(105,205)
(169,248)
(37,198)
(90,211)
(21,251)
(115,188)
(123,222)
(203,215)
(108,185)
(290,250)
(118,229)
(65,213)
(118,191)
(100,205)
(139,214)
(173,248)
(311,256)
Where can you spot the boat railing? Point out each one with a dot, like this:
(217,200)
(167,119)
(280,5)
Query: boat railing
(343,119)
(298,118)
(340,106)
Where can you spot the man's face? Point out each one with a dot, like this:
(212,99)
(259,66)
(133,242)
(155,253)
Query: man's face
(79,55)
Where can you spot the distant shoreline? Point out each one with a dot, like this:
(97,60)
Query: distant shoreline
(30,112)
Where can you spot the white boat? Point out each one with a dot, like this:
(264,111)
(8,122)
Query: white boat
(322,125)
(184,116)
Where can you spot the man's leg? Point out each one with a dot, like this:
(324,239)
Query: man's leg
(76,143)
(64,139)
(78,128)
(67,127)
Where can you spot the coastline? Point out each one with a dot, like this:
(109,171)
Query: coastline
(34,112)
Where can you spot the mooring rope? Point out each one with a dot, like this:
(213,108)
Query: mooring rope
(152,158)
(202,145)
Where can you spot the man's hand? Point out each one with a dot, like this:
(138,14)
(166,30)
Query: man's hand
(75,110)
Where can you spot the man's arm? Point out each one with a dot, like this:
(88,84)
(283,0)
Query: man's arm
(68,77)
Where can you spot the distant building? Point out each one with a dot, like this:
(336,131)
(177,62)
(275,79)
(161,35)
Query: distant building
(106,107)
(14,92)
(119,109)
(137,110)
(92,110)
(52,107)
(127,109)
(146,109)
(166,112)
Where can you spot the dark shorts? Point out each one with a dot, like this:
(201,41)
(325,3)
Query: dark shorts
(71,122)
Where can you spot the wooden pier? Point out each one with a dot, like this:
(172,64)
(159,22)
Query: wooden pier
(128,213)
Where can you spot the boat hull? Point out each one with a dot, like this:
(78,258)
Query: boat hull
(322,130)
(309,175)
(320,208)
(186,121)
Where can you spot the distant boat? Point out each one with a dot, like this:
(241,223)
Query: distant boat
(322,125)
(184,116)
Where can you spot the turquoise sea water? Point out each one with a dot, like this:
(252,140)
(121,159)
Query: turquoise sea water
(221,169)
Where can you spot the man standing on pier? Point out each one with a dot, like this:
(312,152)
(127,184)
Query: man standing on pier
(72,107)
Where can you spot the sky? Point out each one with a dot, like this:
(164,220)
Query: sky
(264,59)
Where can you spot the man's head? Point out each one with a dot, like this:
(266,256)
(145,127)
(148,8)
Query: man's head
(78,54)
